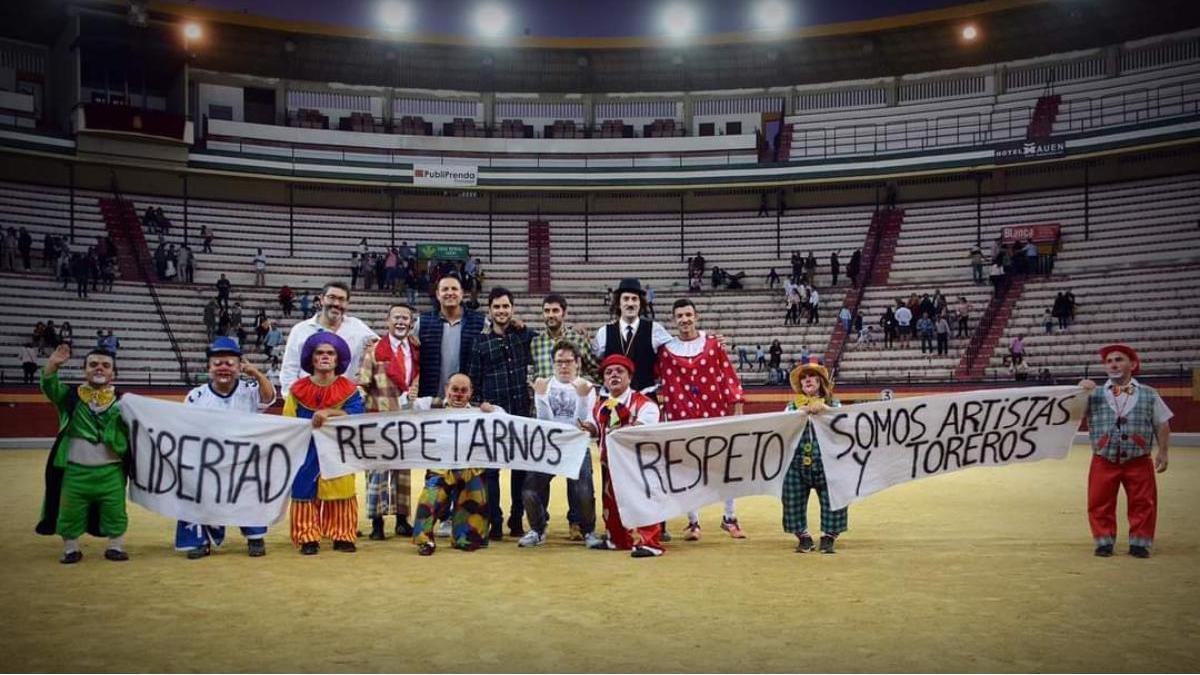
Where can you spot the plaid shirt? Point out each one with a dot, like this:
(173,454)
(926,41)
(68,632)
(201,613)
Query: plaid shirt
(499,370)
(542,352)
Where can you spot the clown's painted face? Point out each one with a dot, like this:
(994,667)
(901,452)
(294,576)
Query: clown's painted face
(616,379)
(1119,366)
(810,385)
(324,359)
(99,370)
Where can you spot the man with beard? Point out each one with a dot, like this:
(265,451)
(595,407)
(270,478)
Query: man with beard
(226,391)
(335,299)
(85,473)
(389,371)
(697,381)
(498,367)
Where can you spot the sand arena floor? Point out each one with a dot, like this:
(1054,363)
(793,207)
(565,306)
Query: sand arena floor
(984,570)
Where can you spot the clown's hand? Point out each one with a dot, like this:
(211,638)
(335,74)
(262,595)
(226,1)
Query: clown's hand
(1087,385)
(59,356)
(816,407)
(1160,461)
(487,407)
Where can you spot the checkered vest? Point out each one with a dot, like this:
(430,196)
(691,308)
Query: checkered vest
(1132,439)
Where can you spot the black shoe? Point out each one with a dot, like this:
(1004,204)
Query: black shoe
(644,552)
(310,548)
(805,543)
(256,547)
(403,529)
(827,543)
(515,528)
(116,555)
(71,558)
(1104,551)
(1139,551)
(344,546)
(199,552)
(377,529)
(495,534)
(427,548)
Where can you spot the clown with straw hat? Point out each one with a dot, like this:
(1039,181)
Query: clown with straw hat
(813,389)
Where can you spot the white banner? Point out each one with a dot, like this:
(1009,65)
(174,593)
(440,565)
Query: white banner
(448,439)
(445,175)
(212,466)
(661,471)
(866,448)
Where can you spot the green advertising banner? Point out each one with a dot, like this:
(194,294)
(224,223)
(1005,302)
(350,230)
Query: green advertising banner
(443,251)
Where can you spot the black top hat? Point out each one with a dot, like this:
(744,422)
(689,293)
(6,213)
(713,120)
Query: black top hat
(630,285)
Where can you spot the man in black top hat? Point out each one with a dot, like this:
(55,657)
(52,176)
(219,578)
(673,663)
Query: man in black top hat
(632,334)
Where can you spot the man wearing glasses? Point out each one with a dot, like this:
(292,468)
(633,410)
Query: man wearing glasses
(335,299)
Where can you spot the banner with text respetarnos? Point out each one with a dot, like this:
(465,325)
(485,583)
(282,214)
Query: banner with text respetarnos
(866,448)
(212,466)
(661,471)
(448,439)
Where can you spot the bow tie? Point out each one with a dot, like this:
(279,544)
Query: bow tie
(1117,389)
(97,399)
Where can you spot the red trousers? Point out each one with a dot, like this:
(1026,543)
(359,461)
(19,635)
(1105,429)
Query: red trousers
(1141,492)
(336,519)
(620,536)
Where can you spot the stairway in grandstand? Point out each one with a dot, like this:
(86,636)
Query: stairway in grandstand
(878,251)
(133,254)
(988,330)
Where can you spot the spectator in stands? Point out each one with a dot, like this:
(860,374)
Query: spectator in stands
(170,265)
(25,246)
(814,306)
(79,270)
(407,253)
(1045,376)
(744,358)
(38,337)
(223,289)
(380,272)
(109,342)
(650,294)
(1016,348)
(964,317)
(235,323)
(160,259)
(760,357)
(260,268)
(210,319)
(854,267)
(108,273)
(187,265)
(1031,257)
(996,276)
(261,327)
(207,236)
(835,267)
(776,352)
(287,300)
(1048,321)
(28,356)
(772,278)
(150,220)
(412,282)
(925,331)
(224,322)
(941,328)
(164,223)
(856,323)
(305,305)
(890,196)
(810,268)
(904,317)
(845,316)
(1069,296)
(891,327)
(1019,369)
(66,334)
(272,339)
(49,249)
(9,256)
(698,264)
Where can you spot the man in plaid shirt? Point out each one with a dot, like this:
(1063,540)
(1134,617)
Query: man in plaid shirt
(554,315)
(499,366)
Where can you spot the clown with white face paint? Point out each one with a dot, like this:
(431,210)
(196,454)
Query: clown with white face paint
(226,390)
(814,394)
(85,473)
(1125,418)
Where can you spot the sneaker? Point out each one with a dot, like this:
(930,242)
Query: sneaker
(256,547)
(576,533)
(199,552)
(645,552)
(532,538)
(310,548)
(693,532)
(445,528)
(805,543)
(403,529)
(116,555)
(731,526)
(1139,551)
(71,558)
(427,548)
(344,546)
(827,543)
(377,529)
(1104,551)
(593,542)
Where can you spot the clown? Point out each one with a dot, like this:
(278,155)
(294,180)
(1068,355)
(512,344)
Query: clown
(226,391)
(1124,418)
(621,407)
(85,473)
(814,394)
(323,507)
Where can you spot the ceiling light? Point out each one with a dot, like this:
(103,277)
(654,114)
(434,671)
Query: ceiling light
(395,15)
(491,20)
(679,20)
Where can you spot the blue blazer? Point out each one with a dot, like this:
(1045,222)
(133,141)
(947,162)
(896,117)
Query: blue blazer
(430,334)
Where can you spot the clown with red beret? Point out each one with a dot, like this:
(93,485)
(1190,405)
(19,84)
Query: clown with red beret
(1125,418)
(320,507)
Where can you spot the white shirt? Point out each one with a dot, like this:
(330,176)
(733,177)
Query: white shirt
(659,336)
(903,316)
(245,397)
(353,331)
(687,348)
(649,414)
(260,261)
(813,297)
(425,403)
(561,403)
(1126,402)
(28,355)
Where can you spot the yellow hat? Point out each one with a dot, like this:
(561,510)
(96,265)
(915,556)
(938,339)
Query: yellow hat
(814,366)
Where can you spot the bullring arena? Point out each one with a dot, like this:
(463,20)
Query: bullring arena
(703,158)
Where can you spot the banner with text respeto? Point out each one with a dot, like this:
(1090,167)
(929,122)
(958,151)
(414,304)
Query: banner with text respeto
(866,448)
(445,175)
(212,466)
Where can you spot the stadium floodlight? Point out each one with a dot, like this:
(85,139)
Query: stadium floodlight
(192,31)
(772,15)
(491,20)
(395,15)
(970,32)
(679,20)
